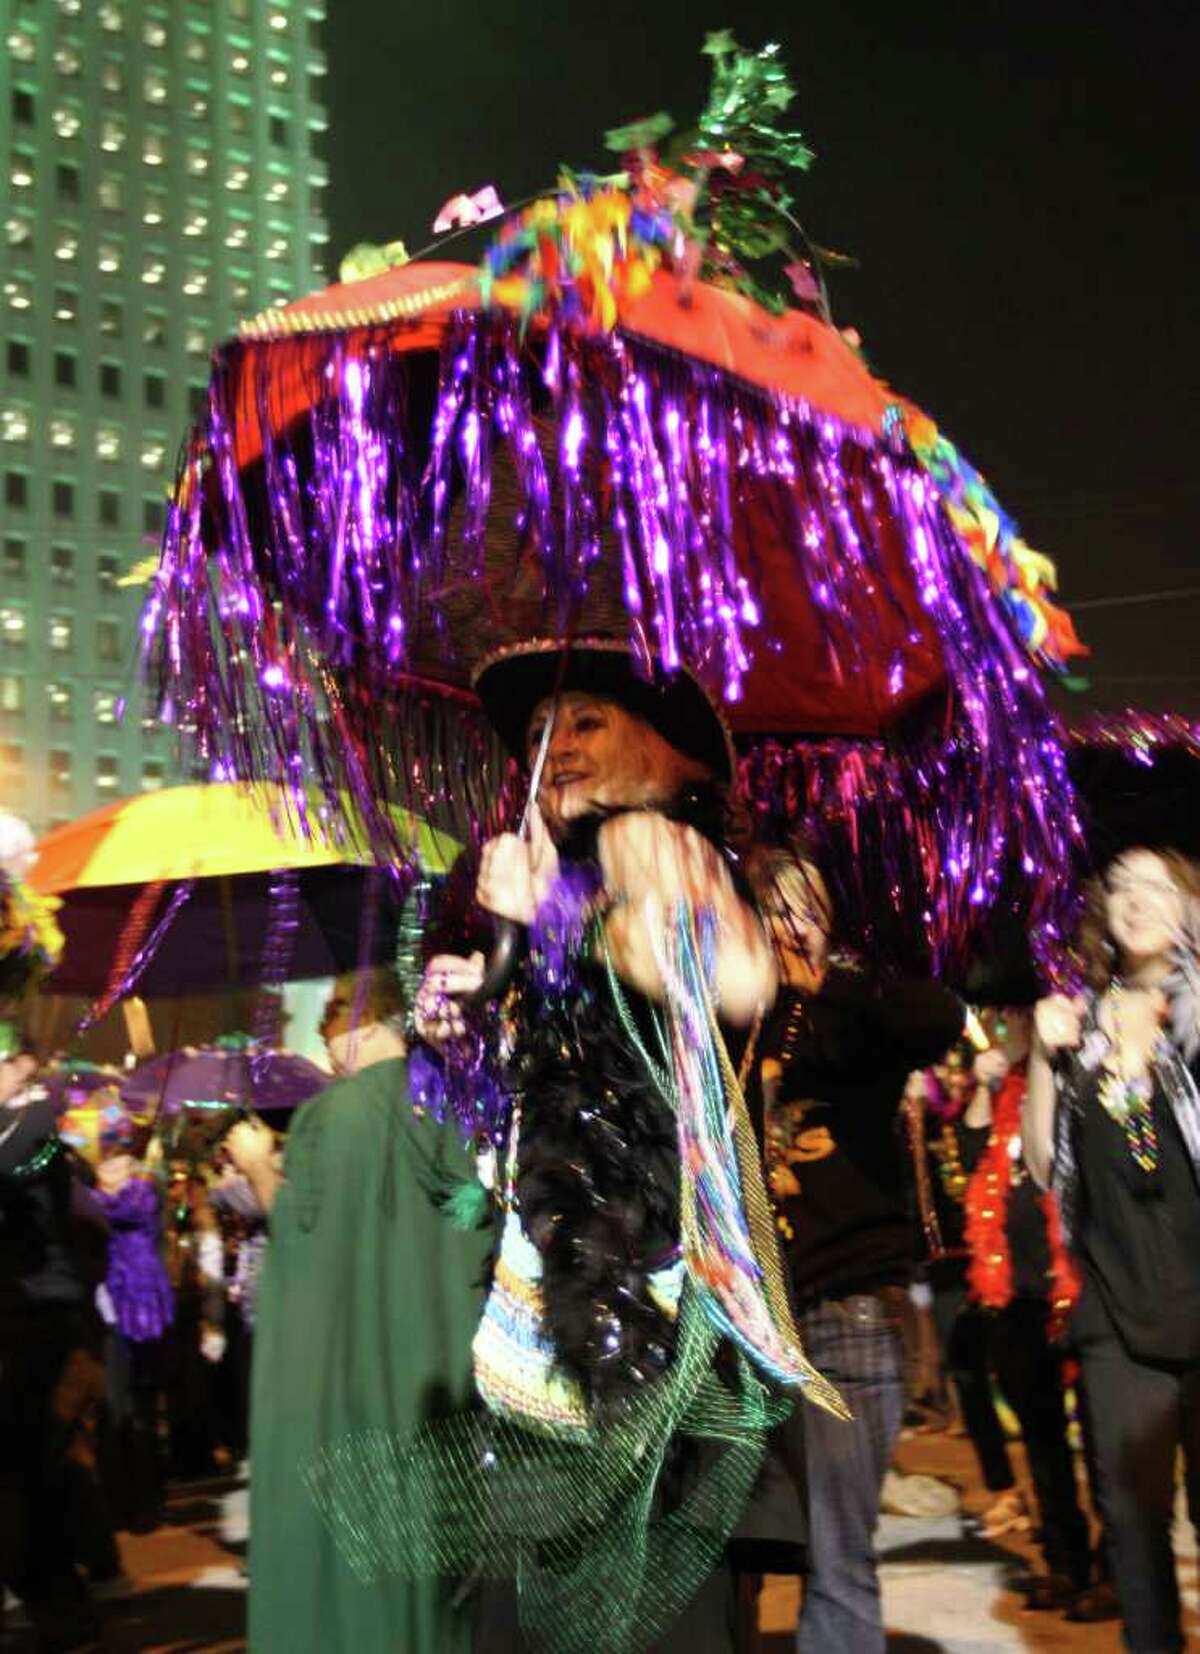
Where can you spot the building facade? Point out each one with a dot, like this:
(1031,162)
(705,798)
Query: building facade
(162,176)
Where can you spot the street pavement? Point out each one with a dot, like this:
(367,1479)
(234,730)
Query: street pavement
(944,1592)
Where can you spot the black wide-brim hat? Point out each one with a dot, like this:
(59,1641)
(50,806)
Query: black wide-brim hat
(512,683)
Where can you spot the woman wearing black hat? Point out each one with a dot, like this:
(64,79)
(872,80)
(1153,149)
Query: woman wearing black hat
(1112,1123)
(632,794)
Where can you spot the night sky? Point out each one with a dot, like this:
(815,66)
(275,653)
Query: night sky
(1017,178)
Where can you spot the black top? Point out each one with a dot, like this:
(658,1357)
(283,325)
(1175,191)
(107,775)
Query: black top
(1138,1233)
(834,1150)
(1025,1217)
(49,1237)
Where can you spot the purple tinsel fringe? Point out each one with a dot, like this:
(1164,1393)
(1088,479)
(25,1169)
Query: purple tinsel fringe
(559,928)
(305,624)
(461,1085)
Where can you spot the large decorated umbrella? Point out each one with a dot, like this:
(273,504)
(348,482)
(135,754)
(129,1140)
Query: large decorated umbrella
(222,885)
(618,423)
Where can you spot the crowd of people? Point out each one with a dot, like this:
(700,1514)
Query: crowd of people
(560,1320)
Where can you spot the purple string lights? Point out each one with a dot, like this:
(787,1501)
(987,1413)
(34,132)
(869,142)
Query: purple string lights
(316,612)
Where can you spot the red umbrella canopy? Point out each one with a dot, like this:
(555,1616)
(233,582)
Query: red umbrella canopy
(399,474)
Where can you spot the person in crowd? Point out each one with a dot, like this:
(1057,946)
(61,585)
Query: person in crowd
(51,1366)
(195,1342)
(626,862)
(139,1305)
(367,1300)
(1112,1124)
(1022,1285)
(836,1054)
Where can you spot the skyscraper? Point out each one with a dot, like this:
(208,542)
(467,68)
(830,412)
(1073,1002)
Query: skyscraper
(162,177)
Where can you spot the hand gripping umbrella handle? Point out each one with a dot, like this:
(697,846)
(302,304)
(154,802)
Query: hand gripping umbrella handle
(501,964)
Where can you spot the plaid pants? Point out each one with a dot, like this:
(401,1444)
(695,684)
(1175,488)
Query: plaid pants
(858,1344)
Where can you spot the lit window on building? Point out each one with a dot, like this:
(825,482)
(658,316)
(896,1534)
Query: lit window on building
(279,74)
(62,565)
(108,444)
(154,208)
(278,21)
(62,435)
(197,339)
(67,59)
(239,63)
(112,318)
(62,497)
(108,772)
(18,231)
(108,640)
(154,33)
(153,455)
(20,172)
(60,767)
(278,248)
(13,626)
(16,490)
(22,46)
(67,121)
(198,106)
(111,192)
(238,178)
(238,236)
(154,774)
(18,293)
(154,149)
(112,135)
(197,162)
(18,357)
(240,9)
(12,761)
(109,259)
(278,189)
(104,706)
(15,557)
(195,223)
(154,87)
(61,632)
(196,50)
(66,369)
(66,247)
(70,8)
(112,77)
(154,271)
(12,692)
(14,425)
(154,330)
(112,18)
(66,305)
(59,696)
(195,283)
(108,571)
(108,508)
(24,106)
(110,379)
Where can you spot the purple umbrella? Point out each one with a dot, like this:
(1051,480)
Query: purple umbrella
(236,1075)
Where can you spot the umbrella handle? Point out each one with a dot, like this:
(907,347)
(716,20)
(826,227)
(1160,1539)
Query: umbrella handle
(500,966)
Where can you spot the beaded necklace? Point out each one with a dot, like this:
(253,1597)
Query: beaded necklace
(1128,1099)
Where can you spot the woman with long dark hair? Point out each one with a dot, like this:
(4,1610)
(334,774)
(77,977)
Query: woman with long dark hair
(1112,1123)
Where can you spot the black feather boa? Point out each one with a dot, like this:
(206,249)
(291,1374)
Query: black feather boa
(598,1165)
(598,1191)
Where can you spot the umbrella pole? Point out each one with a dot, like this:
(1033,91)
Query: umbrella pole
(229,924)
